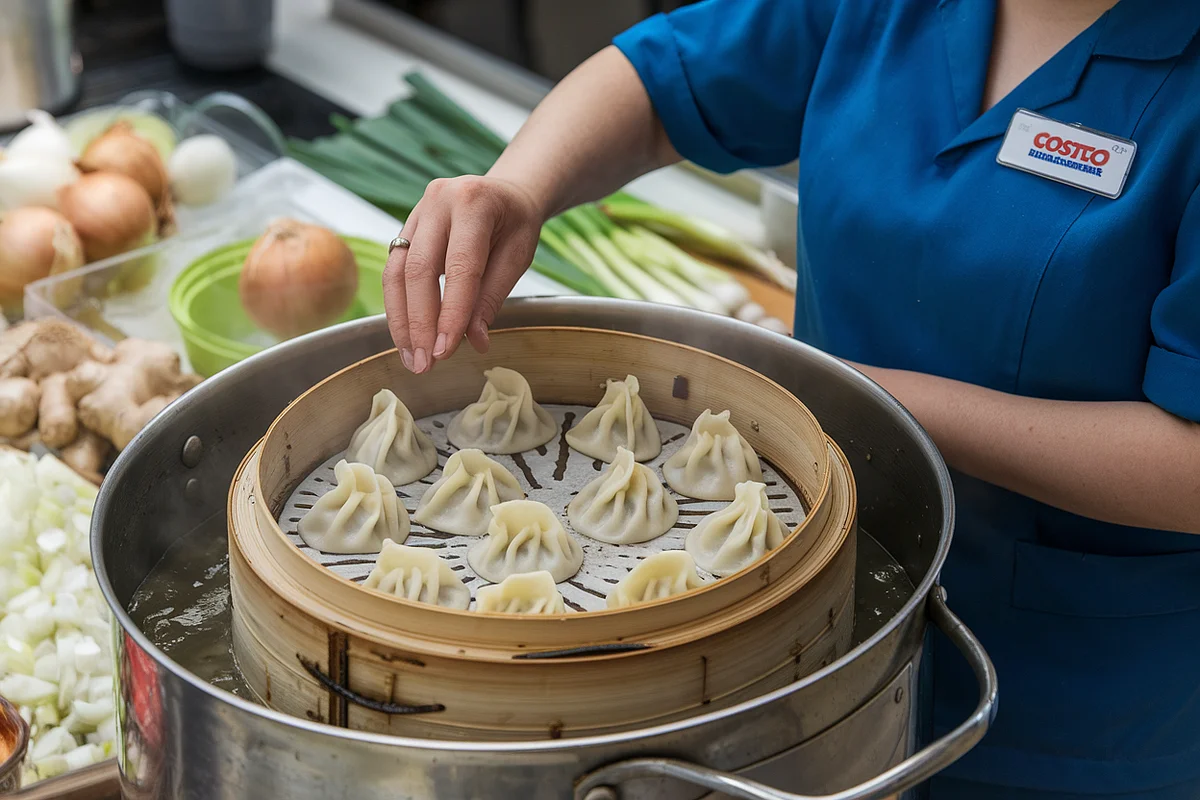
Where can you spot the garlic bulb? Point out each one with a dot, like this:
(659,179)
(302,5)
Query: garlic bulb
(203,169)
(43,138)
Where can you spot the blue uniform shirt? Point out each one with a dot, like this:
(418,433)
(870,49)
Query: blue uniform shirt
(918,251)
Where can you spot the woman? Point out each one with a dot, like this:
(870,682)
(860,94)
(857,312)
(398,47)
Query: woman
(1033,299)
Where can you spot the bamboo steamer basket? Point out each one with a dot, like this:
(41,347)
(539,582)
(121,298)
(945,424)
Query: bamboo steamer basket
(316,645)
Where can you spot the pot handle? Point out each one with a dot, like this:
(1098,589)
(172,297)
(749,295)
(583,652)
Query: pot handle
(602,783)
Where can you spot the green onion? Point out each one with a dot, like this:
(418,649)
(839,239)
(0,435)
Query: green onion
(720,284)
(702,236)
(430,98)
(389,161)
(693,295)
(591,261)
(590,224)
(553,266)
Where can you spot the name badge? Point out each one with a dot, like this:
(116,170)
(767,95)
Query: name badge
(1070,154)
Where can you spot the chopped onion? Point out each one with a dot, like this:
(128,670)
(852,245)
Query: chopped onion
(27,690)
(297,278)
(203,169)
(55,632)
(112,214)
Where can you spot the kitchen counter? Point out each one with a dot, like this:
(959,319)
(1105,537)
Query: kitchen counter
(363,73)
(319,66)
(126,49)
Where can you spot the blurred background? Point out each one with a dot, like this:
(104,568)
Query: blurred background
(547,37)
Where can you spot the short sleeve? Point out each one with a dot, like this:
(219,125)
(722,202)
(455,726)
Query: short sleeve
(1172,379)
(730,79)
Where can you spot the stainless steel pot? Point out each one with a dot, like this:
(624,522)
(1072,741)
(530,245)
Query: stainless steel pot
(39,65)
(847,731)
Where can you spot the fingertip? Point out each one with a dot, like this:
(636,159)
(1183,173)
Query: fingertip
(477,335)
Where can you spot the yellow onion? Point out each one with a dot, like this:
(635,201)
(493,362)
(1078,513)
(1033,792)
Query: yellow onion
(111,213)
(297,278)
(34,242)
(121,150)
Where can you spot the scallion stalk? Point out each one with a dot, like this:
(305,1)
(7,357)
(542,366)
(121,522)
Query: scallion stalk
(721,286)
(564,271)
(588,227)
(692,295)
(702,236)
(594,263)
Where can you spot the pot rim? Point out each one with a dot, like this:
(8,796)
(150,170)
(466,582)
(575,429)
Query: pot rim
(214,385)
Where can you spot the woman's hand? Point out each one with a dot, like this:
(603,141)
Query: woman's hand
(592,134)
(481,232)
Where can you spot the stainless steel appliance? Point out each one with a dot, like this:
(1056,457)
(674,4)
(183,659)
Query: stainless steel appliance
(848,728)
(39,65)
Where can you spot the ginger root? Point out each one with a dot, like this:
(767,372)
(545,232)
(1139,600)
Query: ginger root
(87,454)
(63,388)
(46,346)
(57,421)
(118,398)
(18,406)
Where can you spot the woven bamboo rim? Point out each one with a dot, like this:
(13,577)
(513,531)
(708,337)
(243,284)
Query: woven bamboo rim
(795,625)
(566,366)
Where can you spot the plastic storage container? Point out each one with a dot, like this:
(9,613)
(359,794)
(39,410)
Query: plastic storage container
(129,295)
(206,303)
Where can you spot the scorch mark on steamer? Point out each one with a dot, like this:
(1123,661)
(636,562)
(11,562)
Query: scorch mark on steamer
(564,450)
(523,465)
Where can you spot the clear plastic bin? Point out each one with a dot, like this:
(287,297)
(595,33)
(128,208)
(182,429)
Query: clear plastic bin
(127,295)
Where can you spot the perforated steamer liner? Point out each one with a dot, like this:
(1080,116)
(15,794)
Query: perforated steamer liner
(552,474)
(784,614)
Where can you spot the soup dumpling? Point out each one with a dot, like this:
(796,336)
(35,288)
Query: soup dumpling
(523,593)
(417,574)
(525,536)
(626,504)
(505,419)
(461,501)
(620,420)
(356,515)
(661,575)
(731,539)
(391,443)
(713,460)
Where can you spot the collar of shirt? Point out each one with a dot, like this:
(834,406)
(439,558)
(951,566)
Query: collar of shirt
(1147,30)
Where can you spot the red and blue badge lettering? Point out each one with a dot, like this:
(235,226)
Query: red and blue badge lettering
(1070,154)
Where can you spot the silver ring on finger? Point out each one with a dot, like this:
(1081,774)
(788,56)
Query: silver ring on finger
(400,242)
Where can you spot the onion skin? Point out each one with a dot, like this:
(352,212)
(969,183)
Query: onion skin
(121,150)
(297,278)
(111,213)
(34,242)
(33,181)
